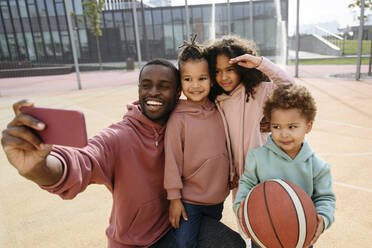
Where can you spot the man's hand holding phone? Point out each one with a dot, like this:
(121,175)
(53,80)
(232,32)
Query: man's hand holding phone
(63,127)
(26,151)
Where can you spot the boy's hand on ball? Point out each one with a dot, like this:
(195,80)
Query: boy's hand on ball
(176,208)
(319,230)
(247,61)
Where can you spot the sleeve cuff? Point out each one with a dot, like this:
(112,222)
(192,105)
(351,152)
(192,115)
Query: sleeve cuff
(265,63)
(64,175)
(173,194)
(326,223)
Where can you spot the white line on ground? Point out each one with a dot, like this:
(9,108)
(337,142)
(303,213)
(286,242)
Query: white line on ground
(336,154)
(353,187)
(346,124)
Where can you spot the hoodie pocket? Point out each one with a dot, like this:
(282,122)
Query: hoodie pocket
(209,183)
(149,219)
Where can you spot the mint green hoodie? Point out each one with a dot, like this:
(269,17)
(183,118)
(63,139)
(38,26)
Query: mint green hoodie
(306,170)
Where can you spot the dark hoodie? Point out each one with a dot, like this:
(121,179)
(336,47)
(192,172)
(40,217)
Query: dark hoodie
(128,158)
(196,156)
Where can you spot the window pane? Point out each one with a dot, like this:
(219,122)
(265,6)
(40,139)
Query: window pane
(30,46)
(148,18)
(4,9)
(177,16)
(108,20)
(57,44)
(4,47)
(207,13)
(258,9)
(167,18)
(156,14)
(84,43)
(41,7)
(48,44)
(39,44)
(178,35)
(128,18)
(32,8)
(22,8)
(50,7)
(78,7)
(21,46)
(237,12)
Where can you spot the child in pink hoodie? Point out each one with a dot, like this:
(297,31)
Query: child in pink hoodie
(196,157)
(242,84)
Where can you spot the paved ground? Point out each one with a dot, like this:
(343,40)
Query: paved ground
(342,135)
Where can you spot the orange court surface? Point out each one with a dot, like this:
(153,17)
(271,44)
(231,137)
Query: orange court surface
(342,135)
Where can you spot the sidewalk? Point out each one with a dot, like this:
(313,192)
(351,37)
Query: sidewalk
(66,82)
(97,79)
(308,55)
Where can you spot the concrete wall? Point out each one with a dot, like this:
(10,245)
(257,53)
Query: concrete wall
(312,44)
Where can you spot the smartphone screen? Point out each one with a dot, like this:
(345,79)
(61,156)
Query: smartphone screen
(63,127)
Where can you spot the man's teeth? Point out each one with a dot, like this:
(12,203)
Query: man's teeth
(154,103)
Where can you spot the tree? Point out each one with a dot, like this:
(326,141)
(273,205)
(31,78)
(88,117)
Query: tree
(92,12)
(367,5)
(357,3)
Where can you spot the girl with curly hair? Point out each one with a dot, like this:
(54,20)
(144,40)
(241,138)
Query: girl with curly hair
(241,84)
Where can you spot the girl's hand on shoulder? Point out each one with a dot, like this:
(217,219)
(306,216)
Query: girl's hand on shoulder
(247,61)
(319,230)
(176,208)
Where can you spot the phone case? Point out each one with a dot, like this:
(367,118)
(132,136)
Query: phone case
(63,127)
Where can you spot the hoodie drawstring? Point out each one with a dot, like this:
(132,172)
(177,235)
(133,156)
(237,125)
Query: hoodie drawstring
(156,137)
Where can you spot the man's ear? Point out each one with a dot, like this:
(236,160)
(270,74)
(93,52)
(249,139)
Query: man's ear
(309,126)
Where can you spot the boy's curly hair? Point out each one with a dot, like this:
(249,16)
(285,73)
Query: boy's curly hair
(233,46)
(289,97)
(191,51)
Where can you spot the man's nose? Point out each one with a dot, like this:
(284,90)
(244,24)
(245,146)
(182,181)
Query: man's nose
(154,91)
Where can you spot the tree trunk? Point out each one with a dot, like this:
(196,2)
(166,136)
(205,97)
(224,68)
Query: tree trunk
(99,53)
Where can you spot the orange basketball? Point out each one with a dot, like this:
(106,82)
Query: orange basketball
(277,213)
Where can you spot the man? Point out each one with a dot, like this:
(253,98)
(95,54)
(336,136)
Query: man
(127,157)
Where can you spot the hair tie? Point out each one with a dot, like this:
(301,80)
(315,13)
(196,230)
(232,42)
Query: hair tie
(192,43)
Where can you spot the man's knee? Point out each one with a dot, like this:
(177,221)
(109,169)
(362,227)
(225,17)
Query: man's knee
(217,235)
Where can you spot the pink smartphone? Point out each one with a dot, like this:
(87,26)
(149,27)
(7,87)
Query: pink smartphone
(63,127)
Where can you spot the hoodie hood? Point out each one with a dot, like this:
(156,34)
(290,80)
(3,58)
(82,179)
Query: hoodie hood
(146,126)
(304,154)
(194,109)
(238,92)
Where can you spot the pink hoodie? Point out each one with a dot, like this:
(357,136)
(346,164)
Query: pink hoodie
(196,156)
(128,158)
(242,119)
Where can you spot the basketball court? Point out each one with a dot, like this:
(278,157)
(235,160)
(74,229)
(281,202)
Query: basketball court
(342,135)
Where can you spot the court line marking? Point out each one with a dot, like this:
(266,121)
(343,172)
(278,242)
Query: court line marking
(340,154)
(352,187)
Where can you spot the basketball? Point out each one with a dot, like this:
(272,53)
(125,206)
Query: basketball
(277,213)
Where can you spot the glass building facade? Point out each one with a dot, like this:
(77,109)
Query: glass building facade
(36,30)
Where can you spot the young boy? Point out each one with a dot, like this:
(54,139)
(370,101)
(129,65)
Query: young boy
(290,109)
